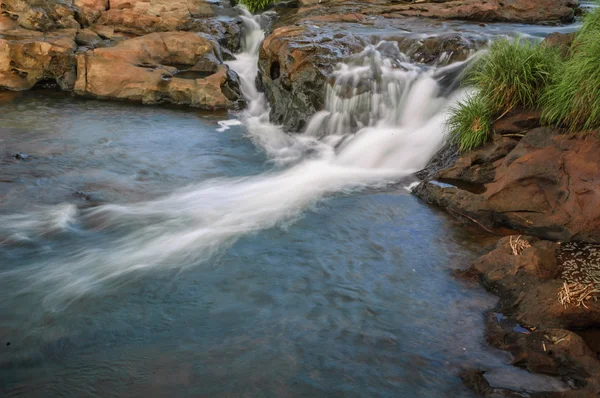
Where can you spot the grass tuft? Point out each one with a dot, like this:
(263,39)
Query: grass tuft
(256,5)
(514,73)
(470,123)
(573,99)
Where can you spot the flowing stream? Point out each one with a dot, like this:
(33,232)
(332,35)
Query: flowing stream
(302,269)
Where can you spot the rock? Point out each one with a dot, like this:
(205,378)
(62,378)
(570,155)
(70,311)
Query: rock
(520,11)
(562,41)
(41,15)
(555,352)
(530,321)
(29,57)
(517,122)
(439,49)
(477,168)
(529,284)
(141,16)
(90,10)
(295,63)
(22,156)
(87,37)
(173,67)
(546,186)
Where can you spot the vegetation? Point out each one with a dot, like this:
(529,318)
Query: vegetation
(573,99)
(256,5)
(514,73)
(470,123)
(511,74)
(518,74)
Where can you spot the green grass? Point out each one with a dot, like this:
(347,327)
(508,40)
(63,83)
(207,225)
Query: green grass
(514,73)
(470,123)
(572,100)
(256,5)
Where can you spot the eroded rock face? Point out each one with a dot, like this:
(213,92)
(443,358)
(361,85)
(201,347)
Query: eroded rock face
(546,186)
(294,66)
(173,67)
(29,57)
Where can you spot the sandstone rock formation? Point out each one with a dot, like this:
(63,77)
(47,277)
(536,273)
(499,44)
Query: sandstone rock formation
(28,57)
(174,67)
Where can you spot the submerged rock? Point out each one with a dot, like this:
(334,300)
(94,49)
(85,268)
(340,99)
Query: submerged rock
(147,69)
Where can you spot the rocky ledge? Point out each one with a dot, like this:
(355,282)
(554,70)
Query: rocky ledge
(297,59)
(151,52)
(539,186)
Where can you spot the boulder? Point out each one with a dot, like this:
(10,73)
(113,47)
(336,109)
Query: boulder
(173,67)
(29,57)
(295,64)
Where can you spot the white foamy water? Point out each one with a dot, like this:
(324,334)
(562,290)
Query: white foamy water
(384,119)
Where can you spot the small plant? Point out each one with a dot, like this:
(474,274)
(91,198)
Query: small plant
(470,123)
(573,98)
(514,73)
(256,5)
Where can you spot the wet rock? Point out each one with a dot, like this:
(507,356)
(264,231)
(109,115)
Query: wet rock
(476,381)
(28,57)
(555,352)
(546,186)
(295,64)
(439,49)
(146,69)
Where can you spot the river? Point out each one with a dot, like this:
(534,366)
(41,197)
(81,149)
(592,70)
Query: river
(156,251)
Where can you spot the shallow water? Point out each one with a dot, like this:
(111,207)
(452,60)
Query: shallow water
(354,298)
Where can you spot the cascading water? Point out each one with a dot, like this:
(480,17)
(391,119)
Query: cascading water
(384,119)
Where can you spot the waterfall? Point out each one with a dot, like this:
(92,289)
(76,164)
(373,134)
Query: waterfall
(384,119)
